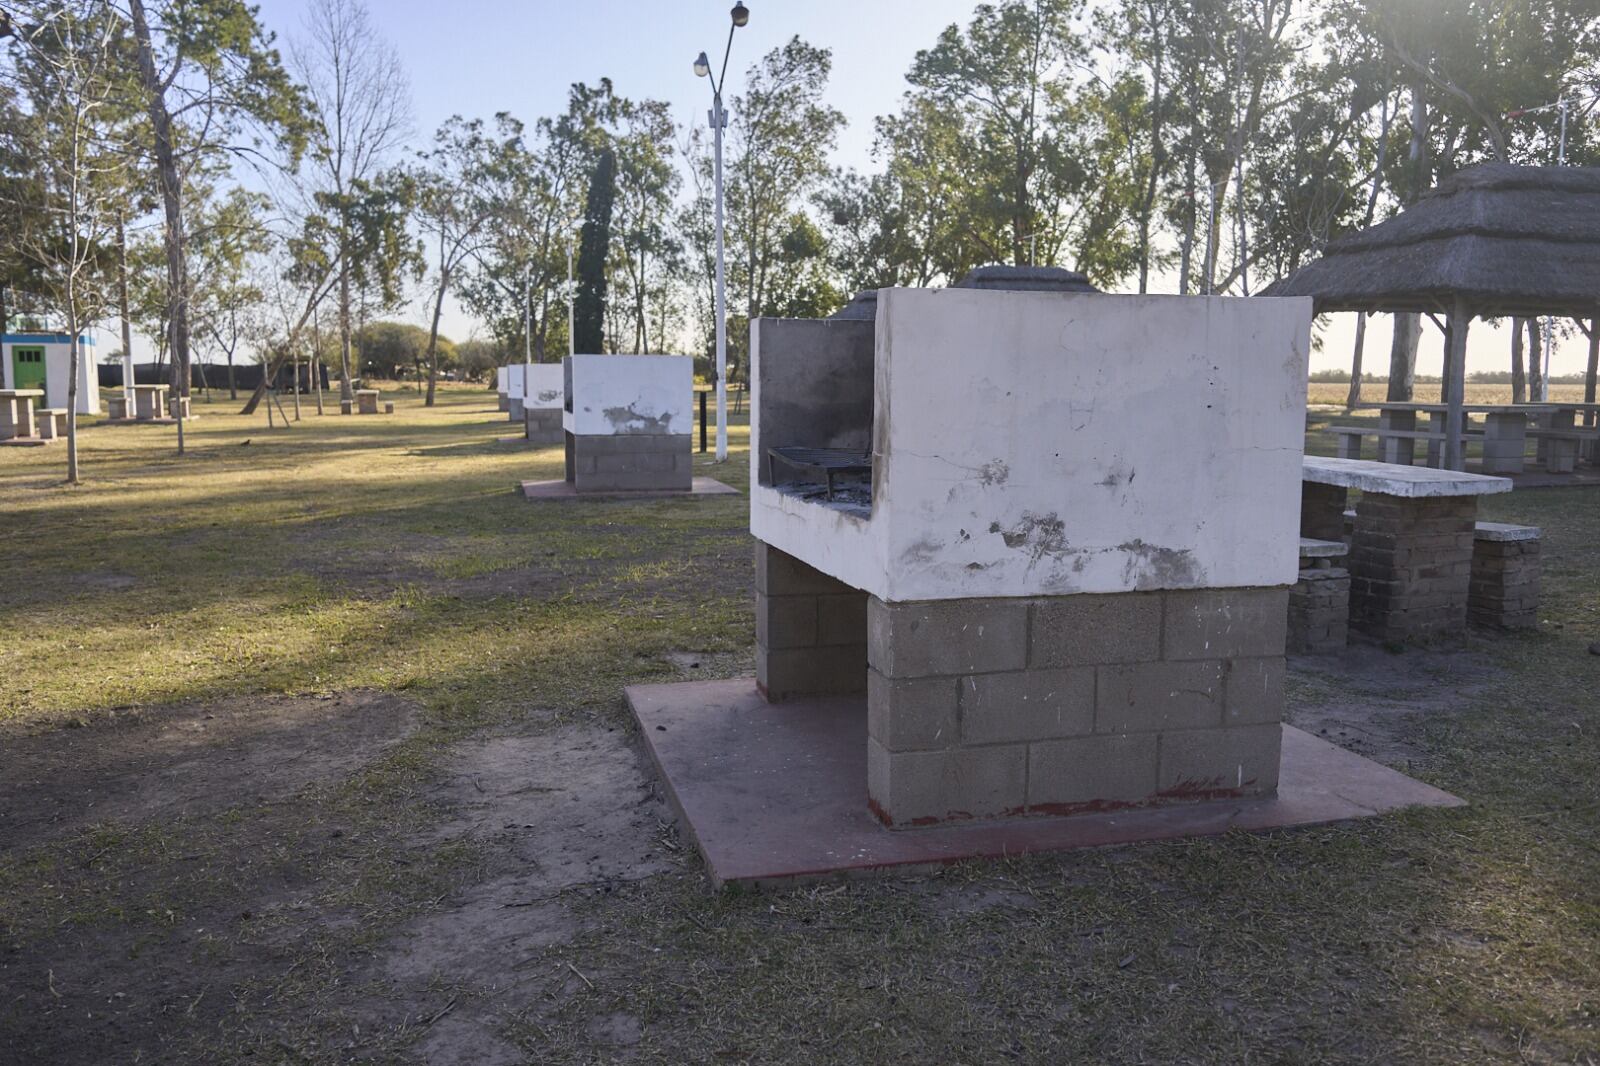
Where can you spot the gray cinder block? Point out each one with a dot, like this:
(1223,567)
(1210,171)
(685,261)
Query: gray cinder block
(1084,630)
(947,637)
(1027,705)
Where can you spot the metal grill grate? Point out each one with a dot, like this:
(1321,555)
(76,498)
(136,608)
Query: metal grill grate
(829,462)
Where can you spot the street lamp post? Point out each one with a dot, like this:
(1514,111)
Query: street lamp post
(740,15)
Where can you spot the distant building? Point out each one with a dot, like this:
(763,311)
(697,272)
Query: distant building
(31,360)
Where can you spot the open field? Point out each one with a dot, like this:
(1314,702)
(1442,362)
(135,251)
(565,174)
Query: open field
(313,750)
(1336,392)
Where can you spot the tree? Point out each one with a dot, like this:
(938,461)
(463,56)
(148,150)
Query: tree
(360,116)
(214,58)
(453,209)
(67,70)
(536,186)
(647,258)
(1004,76)
(589,304)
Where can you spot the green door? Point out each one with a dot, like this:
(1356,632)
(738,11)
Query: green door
(27,368)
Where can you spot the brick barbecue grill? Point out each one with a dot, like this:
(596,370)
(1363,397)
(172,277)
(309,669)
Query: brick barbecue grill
(1049,533)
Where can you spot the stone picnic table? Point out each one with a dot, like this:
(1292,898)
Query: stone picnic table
(1411,552)
(367,401)
(1505,433)
(16,412)
(148,402)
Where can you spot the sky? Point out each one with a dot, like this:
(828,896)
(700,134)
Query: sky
(477,57)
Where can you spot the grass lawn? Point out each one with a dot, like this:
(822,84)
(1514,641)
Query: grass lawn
(313,750)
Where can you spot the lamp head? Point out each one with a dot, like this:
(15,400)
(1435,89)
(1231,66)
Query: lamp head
(740,13)
(702,66)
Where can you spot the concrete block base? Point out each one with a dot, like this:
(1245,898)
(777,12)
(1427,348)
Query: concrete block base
(978,708)
(772,794)
(1072,704)
(630,462)
(565,490)
(514,409)
(542,425)
(811,630)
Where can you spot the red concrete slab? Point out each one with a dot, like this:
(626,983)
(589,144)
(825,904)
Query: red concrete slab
(564,490)
(775,793)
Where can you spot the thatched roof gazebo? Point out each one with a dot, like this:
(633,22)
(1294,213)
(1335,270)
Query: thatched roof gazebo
(1490,241)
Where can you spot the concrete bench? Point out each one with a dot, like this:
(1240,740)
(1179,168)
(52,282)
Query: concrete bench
(367,401)
(117,408)
(52,422)
(1504,592)
(1559,447)
(1319,602)
(1350,439)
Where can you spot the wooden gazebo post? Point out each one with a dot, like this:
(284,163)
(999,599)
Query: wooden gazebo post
(1460,317)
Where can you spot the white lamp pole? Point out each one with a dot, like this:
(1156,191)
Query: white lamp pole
(719,119)
(740,16)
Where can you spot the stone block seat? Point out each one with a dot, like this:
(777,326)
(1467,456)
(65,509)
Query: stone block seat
(1319,602)
(52,423)
(1504,589)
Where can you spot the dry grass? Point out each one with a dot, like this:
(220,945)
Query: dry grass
(1335,393)
(390,554)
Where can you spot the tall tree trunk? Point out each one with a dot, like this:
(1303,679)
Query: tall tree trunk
(433,336)
(1403,357)
(1355,361)
(172,203)
(346,388)
(1519,383)
(74,358)
(1594,368)
(127,318)
(1536,390)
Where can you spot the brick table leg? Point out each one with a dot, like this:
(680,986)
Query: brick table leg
(1410,565)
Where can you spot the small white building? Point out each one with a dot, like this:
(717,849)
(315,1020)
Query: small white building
(30,360)
(628,421)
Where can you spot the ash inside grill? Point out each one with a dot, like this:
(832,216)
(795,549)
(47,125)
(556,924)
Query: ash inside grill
(841,476)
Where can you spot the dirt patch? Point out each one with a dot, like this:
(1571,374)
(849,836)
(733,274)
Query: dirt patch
(186,760)
(560,815)
(1375,702)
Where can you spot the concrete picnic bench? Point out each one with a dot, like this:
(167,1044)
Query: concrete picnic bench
(16,413)
(1504,434)
(367,401)
(1411,549)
